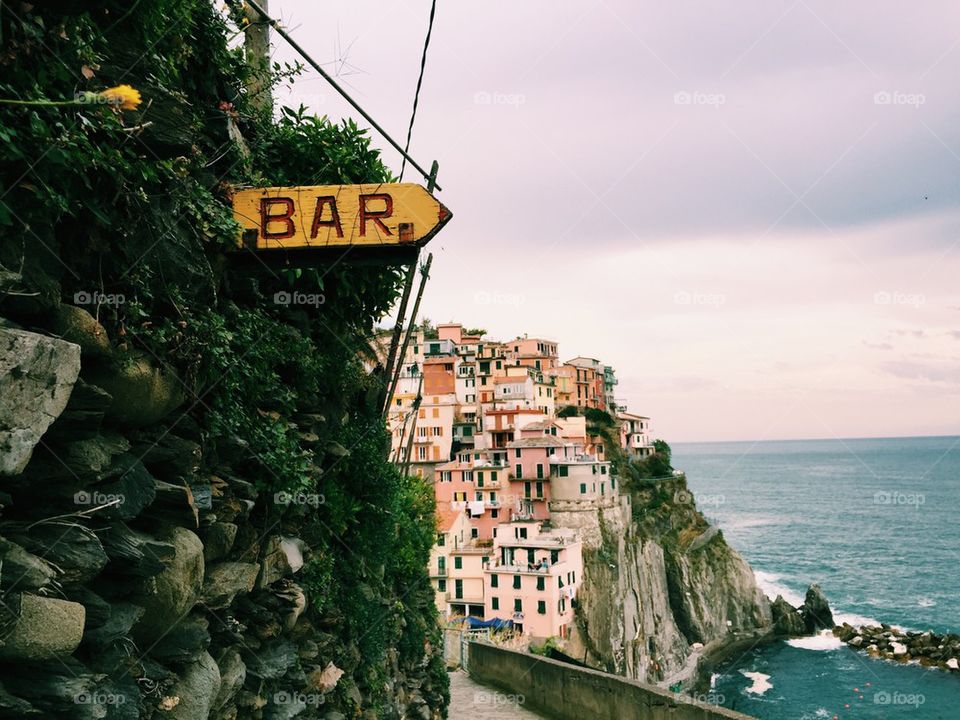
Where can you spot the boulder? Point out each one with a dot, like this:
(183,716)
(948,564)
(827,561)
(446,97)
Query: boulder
(76,325)
(281,556)
(142,393)
(898,649)
(37,374)
(218,539)
(168,596)
(190,640)
(23,570)
(816,610)
(224,581)
(47,628)
(196,690)
(952,664)
(787,620)
(232,674)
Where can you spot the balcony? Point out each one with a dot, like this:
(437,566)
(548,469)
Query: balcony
(521,568)
(464,599)
(438,572)
(544,542)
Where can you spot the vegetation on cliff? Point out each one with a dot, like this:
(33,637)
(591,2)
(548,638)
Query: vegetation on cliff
(126,214)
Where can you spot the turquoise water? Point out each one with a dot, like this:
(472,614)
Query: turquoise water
(877,523)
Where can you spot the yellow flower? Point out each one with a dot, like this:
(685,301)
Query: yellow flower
(123,97)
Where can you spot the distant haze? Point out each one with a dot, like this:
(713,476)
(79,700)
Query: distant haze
(748,209)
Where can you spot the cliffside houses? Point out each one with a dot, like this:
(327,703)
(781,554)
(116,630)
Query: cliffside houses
(502,462)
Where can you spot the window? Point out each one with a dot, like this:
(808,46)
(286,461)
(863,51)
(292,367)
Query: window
(526,489)
(603,469)
(516,582)
(603,488)
(516,452)
(518,605)
(554,557)
(458,588)
(474,533)
(478,496)
(539,470)
(494,603)
(518,470)
(583,488)
(442,585)
(441,539)
(480,479)
(494,513)
(436,412)
(539,489)
(493,476)
(541,583)
(522,533)
(494,580)
(563,471)
(542,607)
(458,562)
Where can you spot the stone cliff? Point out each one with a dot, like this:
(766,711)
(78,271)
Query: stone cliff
(660,585)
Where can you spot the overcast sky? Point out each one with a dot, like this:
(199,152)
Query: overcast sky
(748,209)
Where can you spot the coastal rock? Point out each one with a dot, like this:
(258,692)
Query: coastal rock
(787,620)
(952,664)
(37,374)
(816,611)
(898,649)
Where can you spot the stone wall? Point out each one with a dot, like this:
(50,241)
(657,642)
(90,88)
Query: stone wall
(139,576)
(567,692)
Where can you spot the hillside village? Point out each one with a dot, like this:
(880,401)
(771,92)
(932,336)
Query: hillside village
(500,428)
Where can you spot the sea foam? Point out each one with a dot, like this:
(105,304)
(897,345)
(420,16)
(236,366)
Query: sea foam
(826,640)
(760,682)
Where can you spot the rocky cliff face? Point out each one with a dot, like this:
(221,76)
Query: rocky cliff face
(659,583)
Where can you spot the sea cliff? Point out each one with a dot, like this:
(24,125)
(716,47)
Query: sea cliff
(662,590)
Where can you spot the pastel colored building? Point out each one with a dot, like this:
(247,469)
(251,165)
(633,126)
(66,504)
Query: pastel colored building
(635,435)
(590,389)
(533,578)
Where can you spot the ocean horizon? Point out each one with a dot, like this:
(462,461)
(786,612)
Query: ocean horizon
(873,521)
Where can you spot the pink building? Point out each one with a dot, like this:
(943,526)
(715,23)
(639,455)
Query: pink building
(533,578)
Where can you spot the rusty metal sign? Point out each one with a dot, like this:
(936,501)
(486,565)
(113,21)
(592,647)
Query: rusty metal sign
(381,215)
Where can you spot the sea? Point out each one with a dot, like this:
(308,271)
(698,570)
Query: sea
(876,522)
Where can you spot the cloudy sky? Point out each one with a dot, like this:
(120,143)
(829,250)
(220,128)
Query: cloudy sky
(749,209)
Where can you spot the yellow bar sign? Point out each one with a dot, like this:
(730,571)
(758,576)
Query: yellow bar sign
(332,216)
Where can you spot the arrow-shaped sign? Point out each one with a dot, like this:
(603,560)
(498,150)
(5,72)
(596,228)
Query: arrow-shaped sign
(335,216)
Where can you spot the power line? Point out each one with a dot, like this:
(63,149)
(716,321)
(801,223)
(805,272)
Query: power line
(326,76)
(416,95)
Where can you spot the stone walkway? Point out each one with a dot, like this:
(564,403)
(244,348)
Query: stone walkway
(470,700)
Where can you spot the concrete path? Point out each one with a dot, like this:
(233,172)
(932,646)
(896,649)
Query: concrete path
(469,700)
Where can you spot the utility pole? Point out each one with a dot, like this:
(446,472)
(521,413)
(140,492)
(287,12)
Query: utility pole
(257,49)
